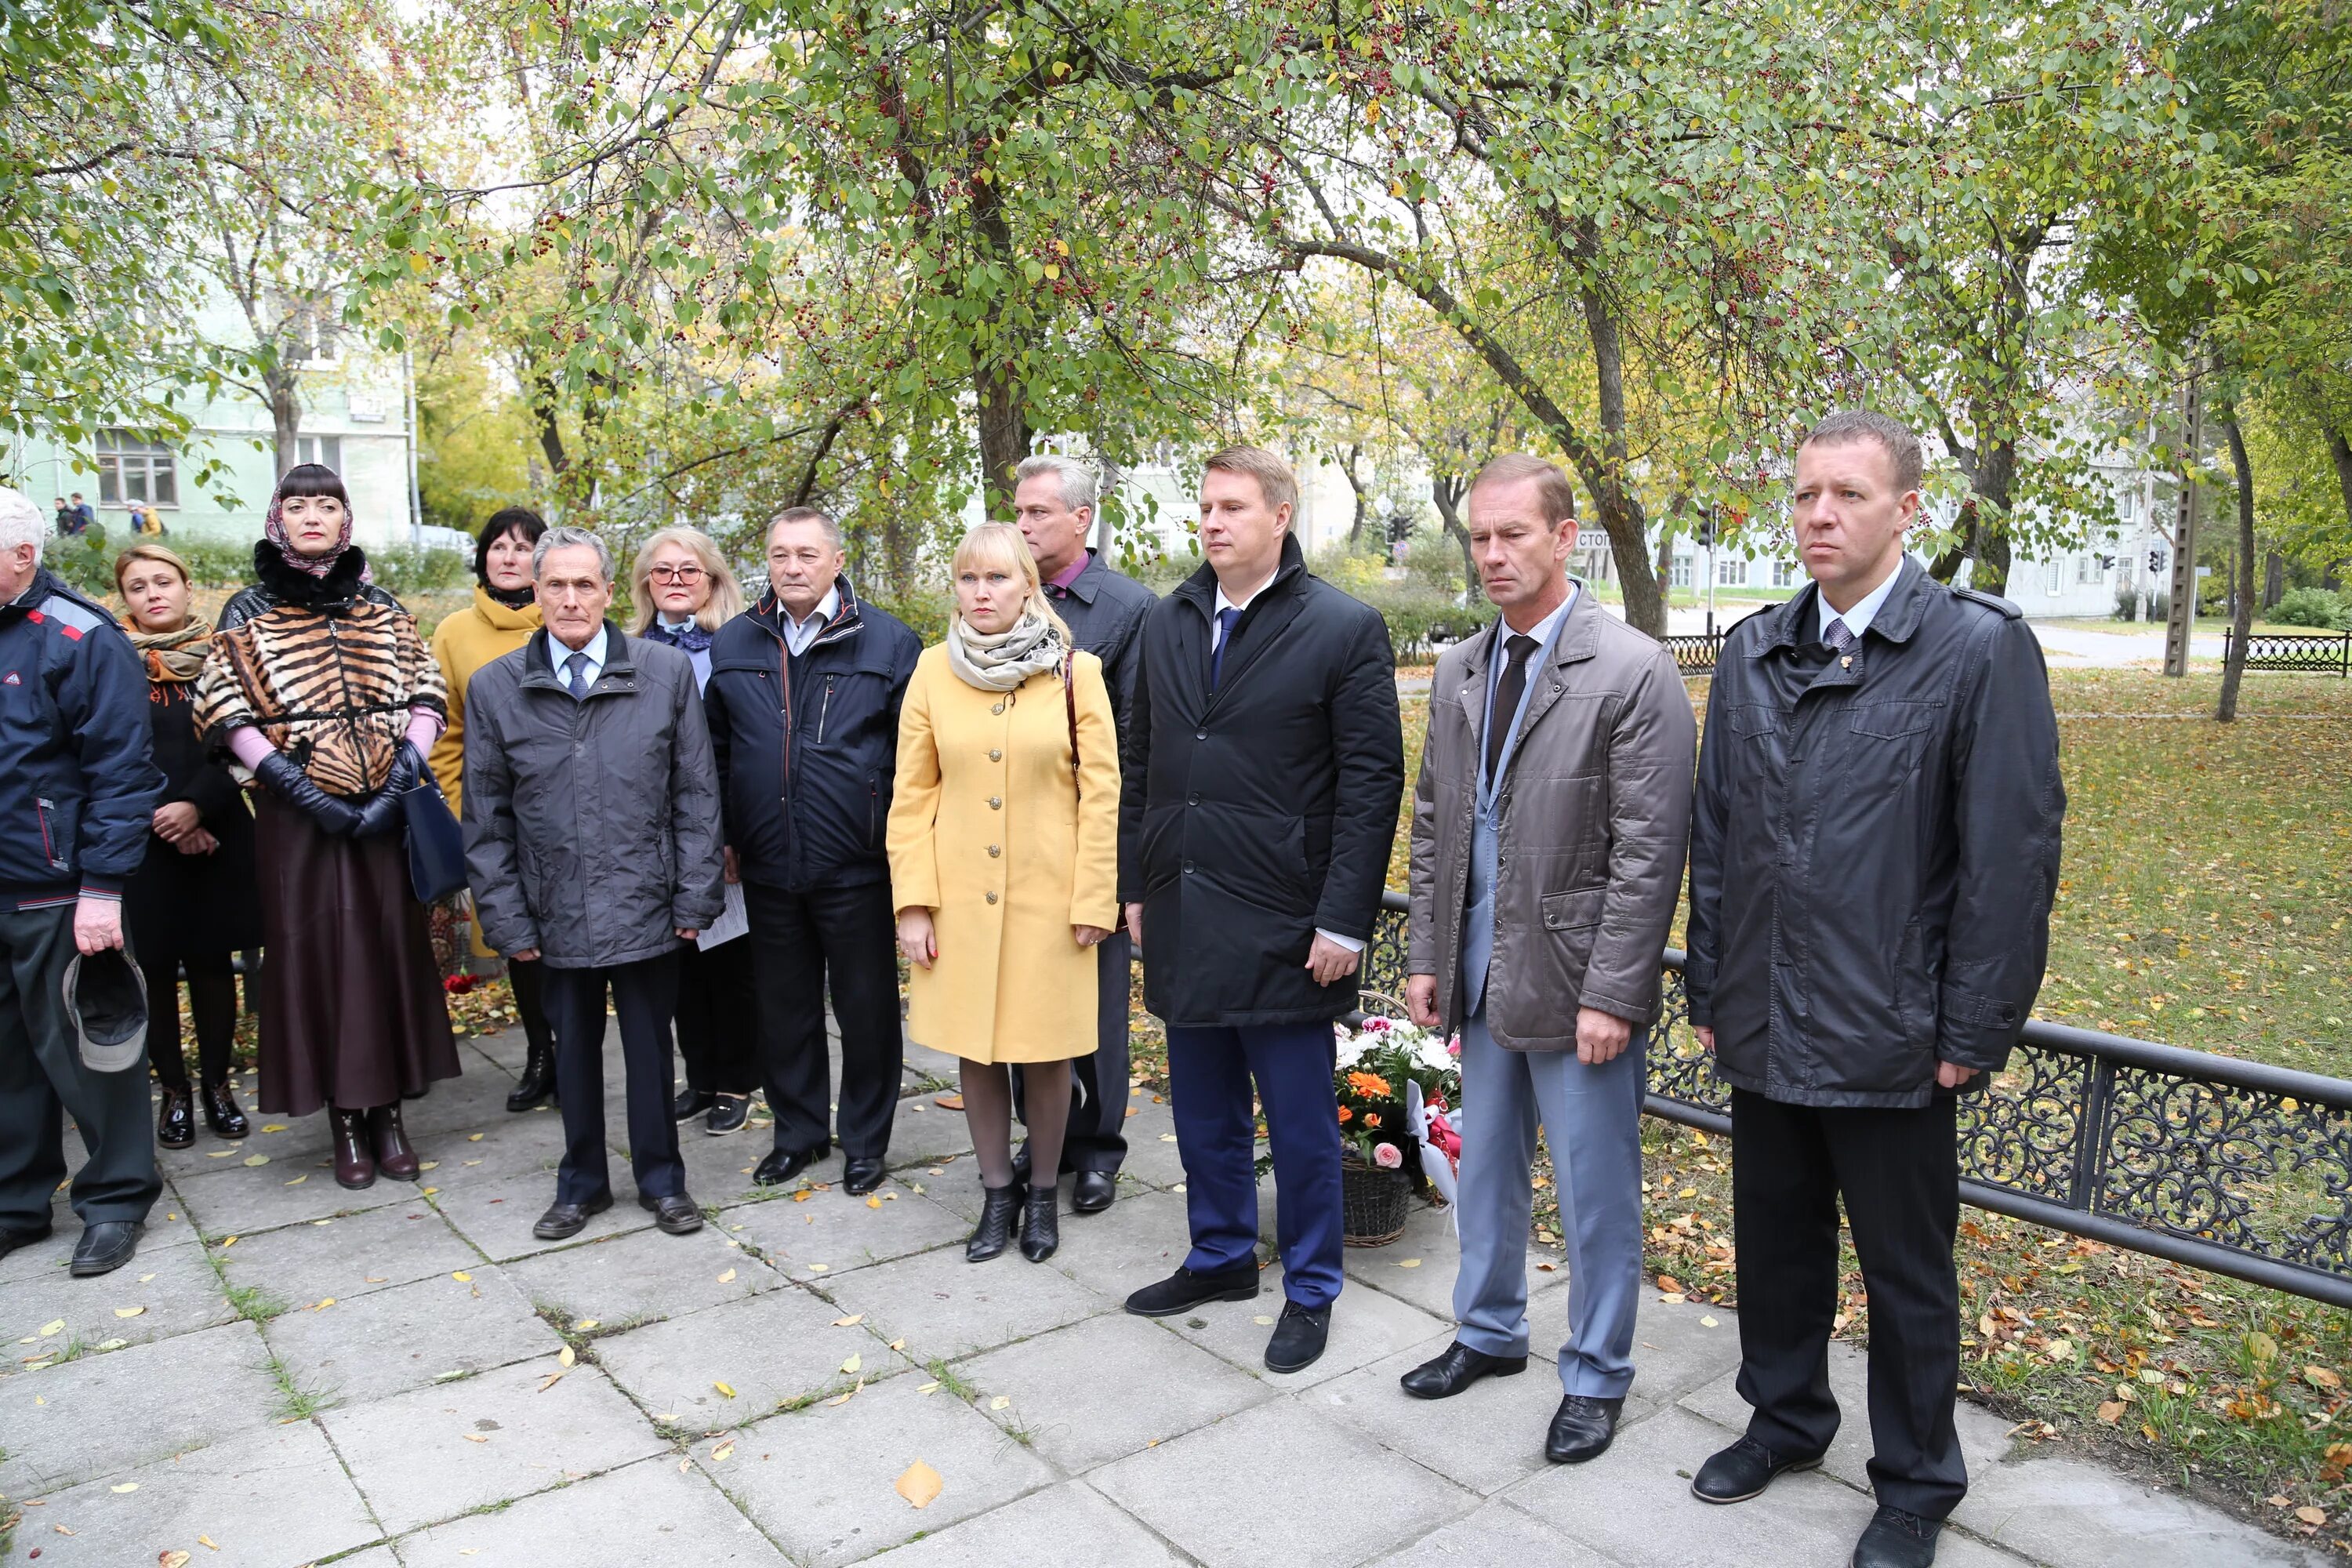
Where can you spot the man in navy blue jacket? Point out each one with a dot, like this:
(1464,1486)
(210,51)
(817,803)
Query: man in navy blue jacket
(804,702)
(77,790)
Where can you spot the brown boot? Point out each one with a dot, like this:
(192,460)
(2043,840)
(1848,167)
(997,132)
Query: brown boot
(393,1156)
(354,1165)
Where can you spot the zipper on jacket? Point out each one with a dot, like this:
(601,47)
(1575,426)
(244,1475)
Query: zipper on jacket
(825,709)
(41,809)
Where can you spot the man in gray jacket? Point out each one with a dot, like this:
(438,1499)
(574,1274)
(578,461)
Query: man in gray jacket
(593,843)
(1548,828)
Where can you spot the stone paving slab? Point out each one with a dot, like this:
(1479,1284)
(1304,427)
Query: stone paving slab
(1496,1536)
(410,1336)
(273,1498)
(644,1274)
(644,1514)
(1366,1327)
(820,1482)
(348,1257)
(167,1291)
(947,1307)
(773,1348)
(1067,1526)
(1280,1484)
(166,1227)
(112,1412)
(430,1454)
(236,1201)
(842,1232)
(1107,1387)
(497,1217)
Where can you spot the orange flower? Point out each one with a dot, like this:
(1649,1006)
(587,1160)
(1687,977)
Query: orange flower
(1372,1119)
(1346,1114)
(1370,1084)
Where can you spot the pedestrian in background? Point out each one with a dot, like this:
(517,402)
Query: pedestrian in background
(804,704)
(592,844)
(1054,502)
(685,593)
(318,685)
(194,902)
(504,613)
(1873,853)
(1003,868)
(79,791)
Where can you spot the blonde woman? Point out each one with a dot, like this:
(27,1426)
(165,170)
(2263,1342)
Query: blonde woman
(1004,839)
(684,594)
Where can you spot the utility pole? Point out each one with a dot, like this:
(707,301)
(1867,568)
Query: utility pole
(2180,615)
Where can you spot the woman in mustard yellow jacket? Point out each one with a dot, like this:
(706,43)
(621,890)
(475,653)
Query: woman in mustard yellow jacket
(501,618)
(1003,841)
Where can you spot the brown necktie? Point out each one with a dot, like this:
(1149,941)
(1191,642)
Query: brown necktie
(1508,691)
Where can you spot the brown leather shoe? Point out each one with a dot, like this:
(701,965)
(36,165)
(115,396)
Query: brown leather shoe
(393,1156)
(354,1163)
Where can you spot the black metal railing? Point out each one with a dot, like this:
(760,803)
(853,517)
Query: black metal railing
(2312,653)
(2237,1167)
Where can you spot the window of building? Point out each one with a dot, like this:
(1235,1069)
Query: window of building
(1785,574)
(2089,569)
(1731,571)
(327,449)
(1680,575)
(130,469)
(2053,578)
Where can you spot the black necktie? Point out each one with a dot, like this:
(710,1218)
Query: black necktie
(1508,691)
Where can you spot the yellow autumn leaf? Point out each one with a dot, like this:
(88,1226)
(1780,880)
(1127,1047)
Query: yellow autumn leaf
(874,1202)
(125,1487)
(920,1485)
(584,1325)
(324,1302)
(724,1389)
(297,1180)
(55,1327)
(206,1543)
(461,1277)
(174,1559)
(897,1345)
(553,1379)
(1408,1263)
(566,1358)
(1002,1402)
(728,1277)
(473,1436)
(850,1321)
(252,1160)
(724,1450)
(929,1388)
(819,1268)
(273,1127)
(853,1364)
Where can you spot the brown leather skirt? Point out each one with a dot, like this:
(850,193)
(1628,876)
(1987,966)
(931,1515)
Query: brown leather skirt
(353,1013)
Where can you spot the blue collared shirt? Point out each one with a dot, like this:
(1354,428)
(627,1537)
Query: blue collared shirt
(1547,634)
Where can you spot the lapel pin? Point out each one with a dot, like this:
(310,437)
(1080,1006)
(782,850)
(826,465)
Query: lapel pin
(1847,661)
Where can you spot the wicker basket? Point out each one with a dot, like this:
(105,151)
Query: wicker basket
(1373,1203)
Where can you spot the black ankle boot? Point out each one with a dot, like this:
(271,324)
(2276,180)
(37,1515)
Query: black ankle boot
(175,1126)
(538,1080)
(222,1113)
(994,1231)
(1041,1224)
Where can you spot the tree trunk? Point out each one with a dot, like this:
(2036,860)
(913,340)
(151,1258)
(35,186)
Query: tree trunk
(543,405)
(1946,567)
(2242,613)
(1004,435)
(2274,578)
(1363,506)
(1621,510)
(1447,495)
(2340,448)
(285,416)
(1993,489)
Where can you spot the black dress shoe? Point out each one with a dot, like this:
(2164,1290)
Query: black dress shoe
(786,1163)
(105,1246)
(1456,1367)
(859,1177)
(1298,1339)
(1092,1191)
(676,1215)
(690,1103)
(1894,1539)
(1581,1428)
(221,1112)
(176,1123)
(1183,1290)
(999,1207)
(10,1240)
(1743,1471)
(563,1221)
(728,1113)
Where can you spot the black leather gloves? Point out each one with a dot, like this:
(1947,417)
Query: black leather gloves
(381,812)
(332,814)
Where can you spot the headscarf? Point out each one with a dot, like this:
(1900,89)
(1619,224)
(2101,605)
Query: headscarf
(1000,661)
(316,565)
(173,656)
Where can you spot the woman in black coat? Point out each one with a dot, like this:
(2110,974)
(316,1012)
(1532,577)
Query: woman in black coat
(193,903)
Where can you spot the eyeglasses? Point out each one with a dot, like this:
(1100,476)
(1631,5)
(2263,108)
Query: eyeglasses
(677,573)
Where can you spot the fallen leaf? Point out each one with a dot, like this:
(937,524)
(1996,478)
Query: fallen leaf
(257,1160)
(2310,1515)
(473,1137)
(428,1192)
(1408,1263)
(724,1389)
(57,1327)
(428,1164)
(280,1127)
(1667,1282)
(929,1388)
(845,1398)
(897,1345)
(1707,1322)
(125,1487)
(2113,1411)
(819,1268)
(566,1358)
(949,1101)
(728,1277)
(144,1277)
(61,1529)
(1263,1321)
(376,1279)
(1675,1298)
(112,1344)
(462,1277)
(168,1559)
(920,1485)
(473,1436)
(724,1450)
(1002,1402)
(874,1202)
(299,1180)
(853,1364)
(228,1241)
(206,1543)
(584,1325)
(553,1379)
(1547,1268)
(850,1321)
(2320,1377)
(324,1302)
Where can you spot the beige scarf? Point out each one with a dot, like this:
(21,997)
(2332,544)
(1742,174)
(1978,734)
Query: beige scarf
(1001,662)
(174,655)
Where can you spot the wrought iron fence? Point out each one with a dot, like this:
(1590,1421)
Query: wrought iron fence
(2237,1167)
(2312,653)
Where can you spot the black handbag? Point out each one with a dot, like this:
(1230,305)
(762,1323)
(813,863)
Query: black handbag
(436,847)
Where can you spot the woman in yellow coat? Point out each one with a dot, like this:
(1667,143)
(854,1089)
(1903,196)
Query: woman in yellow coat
(1003,866)
(504,613)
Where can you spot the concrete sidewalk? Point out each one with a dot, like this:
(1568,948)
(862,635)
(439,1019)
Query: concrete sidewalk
(378,1379)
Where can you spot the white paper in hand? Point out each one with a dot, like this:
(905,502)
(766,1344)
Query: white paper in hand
(732,921)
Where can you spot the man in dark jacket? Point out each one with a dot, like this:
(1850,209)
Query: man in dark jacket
(804,703)
(592,843)
(77,789)
(1264,770)
(1054,502)
(1873,853)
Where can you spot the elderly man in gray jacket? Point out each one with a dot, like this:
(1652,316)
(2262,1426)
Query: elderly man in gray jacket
(1548,828)
(593,843)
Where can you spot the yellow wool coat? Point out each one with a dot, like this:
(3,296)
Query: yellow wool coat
(988,832)
(462,644)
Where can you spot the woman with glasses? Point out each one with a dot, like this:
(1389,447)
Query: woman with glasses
(685,594)
(501,618)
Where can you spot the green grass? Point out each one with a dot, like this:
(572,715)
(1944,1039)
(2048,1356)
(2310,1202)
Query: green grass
(295,1403)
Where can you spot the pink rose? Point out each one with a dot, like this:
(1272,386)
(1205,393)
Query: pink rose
(1454,1047)
(1387,1156)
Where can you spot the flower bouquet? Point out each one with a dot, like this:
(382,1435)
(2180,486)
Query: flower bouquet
(1380,1065)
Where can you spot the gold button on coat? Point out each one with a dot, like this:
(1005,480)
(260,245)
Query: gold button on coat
(995,803)
(995,755)
(994,850)
(992,897)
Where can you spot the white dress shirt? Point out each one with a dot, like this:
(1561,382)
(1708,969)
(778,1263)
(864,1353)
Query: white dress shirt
(1858,620)
(558,655)
(798,635)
